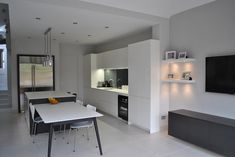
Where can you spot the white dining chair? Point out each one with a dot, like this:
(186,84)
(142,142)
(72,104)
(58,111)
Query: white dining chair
(80,102)
(36,120)
(79,125)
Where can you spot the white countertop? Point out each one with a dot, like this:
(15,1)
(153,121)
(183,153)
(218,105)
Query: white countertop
(38,86)
(47,94)
(66,111)
(111,89)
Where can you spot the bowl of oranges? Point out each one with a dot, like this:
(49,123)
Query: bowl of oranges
(53,101)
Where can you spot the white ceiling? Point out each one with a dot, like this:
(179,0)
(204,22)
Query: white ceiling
(23,23)
(60,14)
(162,8)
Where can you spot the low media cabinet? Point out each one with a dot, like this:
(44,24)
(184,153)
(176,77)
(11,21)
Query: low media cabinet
(208,131)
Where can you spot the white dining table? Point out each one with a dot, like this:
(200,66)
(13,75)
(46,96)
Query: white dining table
(42,97)
(66,113)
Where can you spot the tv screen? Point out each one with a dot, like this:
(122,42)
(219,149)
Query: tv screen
(220,74)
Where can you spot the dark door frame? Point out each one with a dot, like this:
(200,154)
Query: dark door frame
(18,74)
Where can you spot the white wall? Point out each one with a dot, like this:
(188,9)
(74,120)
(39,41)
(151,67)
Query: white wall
(31,46)
(71,69)
(68,64)
(204,31)
(124,41)
(161,32)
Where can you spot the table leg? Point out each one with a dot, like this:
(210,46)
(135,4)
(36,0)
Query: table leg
(50,141)
(97,135)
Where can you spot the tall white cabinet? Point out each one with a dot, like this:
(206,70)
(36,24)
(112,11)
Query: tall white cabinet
(144,70)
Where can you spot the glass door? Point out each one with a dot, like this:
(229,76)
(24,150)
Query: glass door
(5,58)
(3,68)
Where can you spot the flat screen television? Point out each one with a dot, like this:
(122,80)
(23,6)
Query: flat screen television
(220,74)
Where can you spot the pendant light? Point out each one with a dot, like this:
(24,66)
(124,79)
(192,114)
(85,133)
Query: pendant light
(47,48)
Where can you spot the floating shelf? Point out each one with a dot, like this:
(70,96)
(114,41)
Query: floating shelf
(183,60)
(179,81)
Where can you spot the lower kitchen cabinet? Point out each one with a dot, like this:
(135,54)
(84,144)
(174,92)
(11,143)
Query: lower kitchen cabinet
(105,101)
(139,112)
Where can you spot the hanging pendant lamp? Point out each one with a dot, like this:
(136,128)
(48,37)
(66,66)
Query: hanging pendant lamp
(47,48)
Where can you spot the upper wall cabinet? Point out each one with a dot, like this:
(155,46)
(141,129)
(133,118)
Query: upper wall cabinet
(113,59)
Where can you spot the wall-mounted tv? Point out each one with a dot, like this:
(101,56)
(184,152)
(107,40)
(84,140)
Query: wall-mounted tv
(220,74)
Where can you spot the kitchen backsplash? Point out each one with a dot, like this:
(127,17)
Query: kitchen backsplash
(116,77)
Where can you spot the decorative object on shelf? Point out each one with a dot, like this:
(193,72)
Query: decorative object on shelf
(170,76)
(47,48)
(170,55)
(182,55)
(186,76)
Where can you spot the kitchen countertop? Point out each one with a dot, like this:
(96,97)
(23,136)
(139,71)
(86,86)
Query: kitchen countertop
(111,89)
(47,94)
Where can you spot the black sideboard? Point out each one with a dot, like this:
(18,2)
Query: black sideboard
(211,132)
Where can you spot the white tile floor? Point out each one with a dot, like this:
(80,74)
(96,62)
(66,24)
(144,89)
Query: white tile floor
(118,140)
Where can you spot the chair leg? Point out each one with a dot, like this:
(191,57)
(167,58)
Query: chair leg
(34,131)
(69,135)
(54,133)
(75,136)
(60,128)
(87,133)
(64,130)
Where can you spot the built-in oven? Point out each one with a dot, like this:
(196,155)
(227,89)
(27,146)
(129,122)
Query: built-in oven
(123,107)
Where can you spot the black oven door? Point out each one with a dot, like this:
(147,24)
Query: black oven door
(123,107)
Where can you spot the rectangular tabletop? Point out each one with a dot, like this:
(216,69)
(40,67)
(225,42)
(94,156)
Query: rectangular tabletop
(67,111)
(47,94)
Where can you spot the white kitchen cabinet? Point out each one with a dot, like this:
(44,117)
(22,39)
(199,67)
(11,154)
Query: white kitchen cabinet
(105,101)
(144,84)
(139,69)
(139,112)
(91,74)
(112,59)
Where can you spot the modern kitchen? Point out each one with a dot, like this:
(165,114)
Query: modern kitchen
(117,78)
(114,85)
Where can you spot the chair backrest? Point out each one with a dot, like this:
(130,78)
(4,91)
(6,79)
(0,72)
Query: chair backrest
(80,102)
(32,110)
(90,107)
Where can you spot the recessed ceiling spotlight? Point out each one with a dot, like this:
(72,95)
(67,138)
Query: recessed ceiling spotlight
(89,35)
(62,33)
(106,27)
(75,23)
(37,18)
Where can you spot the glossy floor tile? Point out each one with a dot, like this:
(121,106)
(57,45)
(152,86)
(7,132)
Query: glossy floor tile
(118,140)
